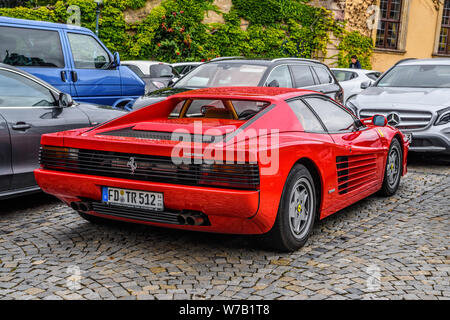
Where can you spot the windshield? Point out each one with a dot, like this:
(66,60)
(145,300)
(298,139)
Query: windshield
(417,76)
(223,75)
(218,109)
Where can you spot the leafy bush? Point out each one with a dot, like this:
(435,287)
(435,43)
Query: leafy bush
(353,43)
(173,31)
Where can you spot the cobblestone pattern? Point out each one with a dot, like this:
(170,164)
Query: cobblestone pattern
(383,248)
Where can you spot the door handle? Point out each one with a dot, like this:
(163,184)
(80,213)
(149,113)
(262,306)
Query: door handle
(74,76)
(63,76)
(21,126)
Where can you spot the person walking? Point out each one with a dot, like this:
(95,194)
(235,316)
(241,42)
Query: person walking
(355,63)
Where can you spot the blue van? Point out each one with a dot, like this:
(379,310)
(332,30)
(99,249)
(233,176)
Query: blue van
(70,58)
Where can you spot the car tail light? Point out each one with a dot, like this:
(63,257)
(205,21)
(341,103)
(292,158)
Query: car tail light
(240,176)
(58,157)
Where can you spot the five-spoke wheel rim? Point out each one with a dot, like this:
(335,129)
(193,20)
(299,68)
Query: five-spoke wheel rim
(301,206)
(393,167)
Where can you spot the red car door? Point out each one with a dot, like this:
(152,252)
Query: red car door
(358,152)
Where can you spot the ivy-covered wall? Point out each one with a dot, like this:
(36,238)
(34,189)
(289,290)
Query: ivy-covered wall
(173,30)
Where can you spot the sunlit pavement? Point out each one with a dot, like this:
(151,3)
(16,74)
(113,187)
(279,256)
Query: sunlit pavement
(390,248)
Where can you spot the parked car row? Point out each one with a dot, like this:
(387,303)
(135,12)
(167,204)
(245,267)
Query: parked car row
(353,127)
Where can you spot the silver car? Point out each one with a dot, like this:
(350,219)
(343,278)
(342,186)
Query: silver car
(414,95)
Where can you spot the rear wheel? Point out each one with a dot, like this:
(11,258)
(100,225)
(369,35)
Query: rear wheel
(393,169)
(296,212)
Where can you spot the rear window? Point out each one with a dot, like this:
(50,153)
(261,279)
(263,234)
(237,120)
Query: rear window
(135,69)
(218,109)
(342,76)
(223,75)
(30,48)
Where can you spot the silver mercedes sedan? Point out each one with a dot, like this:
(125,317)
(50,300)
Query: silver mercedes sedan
(414,95)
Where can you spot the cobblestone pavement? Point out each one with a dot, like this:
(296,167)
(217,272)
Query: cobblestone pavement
(389,248)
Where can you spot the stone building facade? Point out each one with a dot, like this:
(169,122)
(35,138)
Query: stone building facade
(400,28)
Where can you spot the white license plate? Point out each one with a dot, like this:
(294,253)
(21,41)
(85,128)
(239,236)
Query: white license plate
(133,198)
(408,137)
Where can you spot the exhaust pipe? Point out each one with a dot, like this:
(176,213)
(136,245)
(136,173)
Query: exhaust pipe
(190,218)
(74,206)
(194,220)
(82,206)
(182,218)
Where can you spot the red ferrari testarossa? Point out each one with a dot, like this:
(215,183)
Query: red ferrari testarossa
(239,160)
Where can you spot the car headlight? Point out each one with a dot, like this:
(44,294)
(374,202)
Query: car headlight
(443,117)
(352,107)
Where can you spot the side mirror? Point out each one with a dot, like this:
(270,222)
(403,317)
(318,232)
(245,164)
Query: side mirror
(64,100)
(379,120)
(116,59)
(365,85)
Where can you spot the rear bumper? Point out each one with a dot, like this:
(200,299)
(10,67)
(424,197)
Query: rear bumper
(228,211)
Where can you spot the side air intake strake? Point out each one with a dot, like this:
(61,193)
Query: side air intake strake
(150,168)
(355,172)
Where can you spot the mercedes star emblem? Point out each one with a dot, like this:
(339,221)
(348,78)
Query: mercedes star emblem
(393,119)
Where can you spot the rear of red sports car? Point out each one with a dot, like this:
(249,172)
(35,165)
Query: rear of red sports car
(228,160)
(150,166)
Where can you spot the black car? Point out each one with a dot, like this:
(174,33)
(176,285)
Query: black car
(30,107)
(282,72)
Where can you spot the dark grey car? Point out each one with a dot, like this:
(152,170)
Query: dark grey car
(30,107)
(282,72)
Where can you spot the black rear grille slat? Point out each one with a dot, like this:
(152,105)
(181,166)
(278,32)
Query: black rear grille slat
(136,213)
(160,135)
(152,168)
(162,173)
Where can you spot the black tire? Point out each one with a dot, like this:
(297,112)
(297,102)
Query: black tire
(390,184)
(91,218)
(282,236)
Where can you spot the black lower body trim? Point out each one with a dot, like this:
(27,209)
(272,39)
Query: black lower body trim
(136,213)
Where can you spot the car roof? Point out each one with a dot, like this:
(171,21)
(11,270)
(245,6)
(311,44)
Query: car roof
(143,62)
(355,70)
(35,23)
(251,93)
(192,63)
(263,61)
(433,61)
